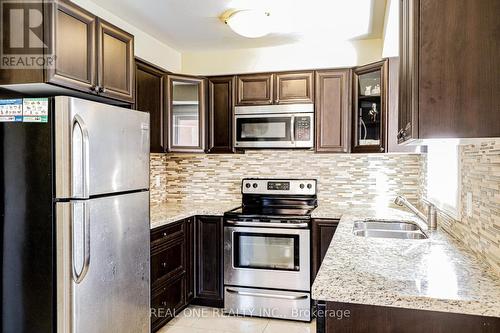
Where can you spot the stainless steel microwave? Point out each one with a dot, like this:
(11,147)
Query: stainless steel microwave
(274,126)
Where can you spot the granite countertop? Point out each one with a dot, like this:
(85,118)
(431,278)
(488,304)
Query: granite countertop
(169,212)
(436,274)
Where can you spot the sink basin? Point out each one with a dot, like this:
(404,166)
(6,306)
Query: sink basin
(390,234)
(388,229)
(385,225)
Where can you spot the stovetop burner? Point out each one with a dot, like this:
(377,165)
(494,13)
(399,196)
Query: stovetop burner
(276,199)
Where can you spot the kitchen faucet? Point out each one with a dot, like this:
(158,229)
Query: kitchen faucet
(430,219)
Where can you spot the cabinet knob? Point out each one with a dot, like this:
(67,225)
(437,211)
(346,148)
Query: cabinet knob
(93,88)
(164,234)
(163,264)
(102,89)
(164,303)
(382,149)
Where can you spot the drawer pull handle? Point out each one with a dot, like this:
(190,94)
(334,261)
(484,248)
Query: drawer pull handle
(164,264)
(266,295)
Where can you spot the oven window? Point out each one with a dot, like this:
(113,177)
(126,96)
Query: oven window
(266,251)
(263,129)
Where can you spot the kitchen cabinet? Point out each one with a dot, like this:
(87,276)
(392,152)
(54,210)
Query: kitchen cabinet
(185,99)
(449,68)
(209,262)
(220,114)
(332,118)
(322,233)
(275,88)
(149,85)
(115,62)
(255,89)
(91,56)
(369,120)
(294,88)
(171,271)
(380,319)
(189,225)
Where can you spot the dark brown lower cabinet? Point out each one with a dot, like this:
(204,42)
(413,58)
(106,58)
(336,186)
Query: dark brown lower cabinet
(209,289)
(170,271)
(322,233)
(347,317)
(183,252)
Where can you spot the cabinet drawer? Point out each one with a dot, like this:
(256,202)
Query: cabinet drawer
(168,261)
(167,302)
(166,233)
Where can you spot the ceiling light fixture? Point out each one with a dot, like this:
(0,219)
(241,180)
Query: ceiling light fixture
(250,23)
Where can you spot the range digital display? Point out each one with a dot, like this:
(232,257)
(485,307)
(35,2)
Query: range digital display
(278,186)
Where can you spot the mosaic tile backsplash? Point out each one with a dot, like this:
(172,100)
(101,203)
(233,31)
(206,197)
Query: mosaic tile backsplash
(343,180)
(480,173)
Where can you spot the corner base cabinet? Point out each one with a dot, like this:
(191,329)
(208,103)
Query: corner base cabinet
(322,233)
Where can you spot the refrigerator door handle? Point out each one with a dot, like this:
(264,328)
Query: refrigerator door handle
(81,174)
(80,227)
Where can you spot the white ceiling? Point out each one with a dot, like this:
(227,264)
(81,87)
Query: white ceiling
(194,25)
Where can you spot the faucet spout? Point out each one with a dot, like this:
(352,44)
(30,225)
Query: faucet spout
(430,218)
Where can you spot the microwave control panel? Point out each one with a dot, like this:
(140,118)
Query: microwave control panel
(302,128)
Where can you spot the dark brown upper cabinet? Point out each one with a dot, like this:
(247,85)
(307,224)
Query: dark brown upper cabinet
(333,114)
(91,56)
(369,120)
(74,41)
(449,79)
(254,89)
(220,114)
(185,113)
(115,62)
(149,87)
(294,88)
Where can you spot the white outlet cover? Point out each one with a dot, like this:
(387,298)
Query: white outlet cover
(469,204)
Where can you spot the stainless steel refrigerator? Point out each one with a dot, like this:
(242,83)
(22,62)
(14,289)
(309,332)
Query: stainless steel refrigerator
(74,207)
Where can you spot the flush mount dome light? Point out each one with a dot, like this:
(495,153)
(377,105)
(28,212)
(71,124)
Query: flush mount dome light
(248,23)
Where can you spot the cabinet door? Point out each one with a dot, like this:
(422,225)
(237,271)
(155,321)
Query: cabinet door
(189,223)
(255,89)
(369,121)
(74,41)
(186,113)
(115,62)
(294,88)
(458,68)
(168,261)
(408,71)
(209,261)
(220,113)
(332,111)
(149,98)
(322,234)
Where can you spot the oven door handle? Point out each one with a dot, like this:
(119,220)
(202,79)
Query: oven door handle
(269,224)
(292,129)
(246,293)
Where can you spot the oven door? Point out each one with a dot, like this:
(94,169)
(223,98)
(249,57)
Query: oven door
(267,258)
(264,131)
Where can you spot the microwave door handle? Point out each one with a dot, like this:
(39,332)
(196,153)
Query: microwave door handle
(292,129)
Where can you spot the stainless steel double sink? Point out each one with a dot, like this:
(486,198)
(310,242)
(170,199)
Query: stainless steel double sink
(388,229)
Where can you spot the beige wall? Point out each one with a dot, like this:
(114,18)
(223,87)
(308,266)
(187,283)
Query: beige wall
(285,57)
(480,175)
(146,47)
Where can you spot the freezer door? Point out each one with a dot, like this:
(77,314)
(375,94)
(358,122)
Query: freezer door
(99,148)
(103,265)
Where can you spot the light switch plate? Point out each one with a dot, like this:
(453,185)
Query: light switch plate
(468,207)
(157,181)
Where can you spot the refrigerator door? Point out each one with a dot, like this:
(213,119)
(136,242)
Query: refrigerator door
(103,264)
(99,148)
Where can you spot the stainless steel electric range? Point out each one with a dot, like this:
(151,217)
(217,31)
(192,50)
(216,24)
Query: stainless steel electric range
(267,269)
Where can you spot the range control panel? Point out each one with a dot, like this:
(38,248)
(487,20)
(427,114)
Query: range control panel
(279,186)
